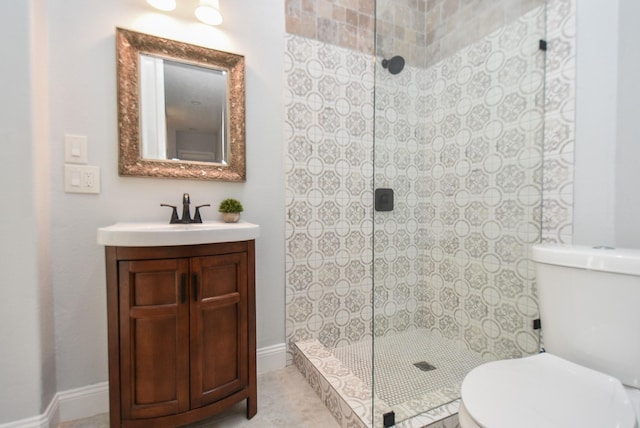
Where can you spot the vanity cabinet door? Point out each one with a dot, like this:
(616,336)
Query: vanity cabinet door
(182,344)
(219,327)
(154,337)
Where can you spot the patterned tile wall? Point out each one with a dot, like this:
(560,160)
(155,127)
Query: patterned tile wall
(557,206)
(469,195)
(466,169)
(329,173)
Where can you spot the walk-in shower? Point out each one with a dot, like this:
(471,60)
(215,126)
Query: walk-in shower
(389,308)
(459,138)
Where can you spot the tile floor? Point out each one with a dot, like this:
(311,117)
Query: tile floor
(285,400)
(398,381)
(350,399)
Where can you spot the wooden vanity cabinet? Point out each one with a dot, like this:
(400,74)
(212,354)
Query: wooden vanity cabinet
(181,332)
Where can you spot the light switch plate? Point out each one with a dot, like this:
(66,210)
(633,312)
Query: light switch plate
(75,149)
(81,179)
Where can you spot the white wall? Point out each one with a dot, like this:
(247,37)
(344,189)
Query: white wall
(607,198)
(83,101)
(48,236)
(627,207)
(41,161)
(26,339)
(596,108)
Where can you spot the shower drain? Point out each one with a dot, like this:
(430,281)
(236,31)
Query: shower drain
(424,366)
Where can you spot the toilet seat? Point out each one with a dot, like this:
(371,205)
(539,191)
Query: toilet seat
(545,391)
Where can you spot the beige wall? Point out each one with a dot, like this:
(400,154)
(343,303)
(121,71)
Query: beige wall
(422,31)
(345,23)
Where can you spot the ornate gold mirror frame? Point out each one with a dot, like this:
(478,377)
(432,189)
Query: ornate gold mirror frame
(129,46)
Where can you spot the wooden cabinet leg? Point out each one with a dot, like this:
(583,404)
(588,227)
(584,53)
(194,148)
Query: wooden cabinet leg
(252,405)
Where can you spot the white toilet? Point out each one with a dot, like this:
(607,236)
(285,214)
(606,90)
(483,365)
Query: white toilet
(590,375)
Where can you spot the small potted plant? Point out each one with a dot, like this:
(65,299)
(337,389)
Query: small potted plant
(230,209)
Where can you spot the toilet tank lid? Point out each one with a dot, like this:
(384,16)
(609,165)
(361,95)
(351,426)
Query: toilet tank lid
(606,259)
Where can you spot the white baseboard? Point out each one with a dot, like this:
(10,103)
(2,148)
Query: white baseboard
(41,421)
(83,402)
(271,358)
(91,400)
(50,418)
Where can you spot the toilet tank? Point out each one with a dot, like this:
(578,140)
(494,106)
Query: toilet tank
(590,307)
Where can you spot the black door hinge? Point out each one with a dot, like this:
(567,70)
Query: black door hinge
(543,45)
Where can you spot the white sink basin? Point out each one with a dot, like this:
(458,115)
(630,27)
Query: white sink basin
(158,234)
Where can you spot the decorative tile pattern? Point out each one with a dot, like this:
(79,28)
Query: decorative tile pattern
(559,130)
(329,196)
(482,166)
(472,182)
(346,396)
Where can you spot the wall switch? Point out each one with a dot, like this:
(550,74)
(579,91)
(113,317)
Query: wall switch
(75,149)
(81,179)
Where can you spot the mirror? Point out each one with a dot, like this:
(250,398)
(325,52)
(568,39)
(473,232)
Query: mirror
(181,109)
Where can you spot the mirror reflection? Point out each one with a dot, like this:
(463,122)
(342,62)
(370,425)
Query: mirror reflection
(183,111)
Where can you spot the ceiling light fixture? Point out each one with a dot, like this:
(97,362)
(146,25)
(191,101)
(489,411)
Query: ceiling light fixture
(165,5)
(208,11)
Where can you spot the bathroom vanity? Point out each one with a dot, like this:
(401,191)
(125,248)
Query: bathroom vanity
(181,321)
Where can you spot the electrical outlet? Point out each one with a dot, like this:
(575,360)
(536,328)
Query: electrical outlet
(81,179)
(87,179)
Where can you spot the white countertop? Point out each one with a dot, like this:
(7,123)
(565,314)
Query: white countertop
(157,234)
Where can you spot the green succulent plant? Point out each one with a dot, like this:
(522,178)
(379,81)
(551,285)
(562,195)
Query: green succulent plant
(230,205)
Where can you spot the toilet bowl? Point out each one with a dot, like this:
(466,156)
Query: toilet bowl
(543,391)
(590,376)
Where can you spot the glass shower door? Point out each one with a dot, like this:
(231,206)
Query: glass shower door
(458,148)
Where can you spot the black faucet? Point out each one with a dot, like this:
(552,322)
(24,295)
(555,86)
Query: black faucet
(186,213)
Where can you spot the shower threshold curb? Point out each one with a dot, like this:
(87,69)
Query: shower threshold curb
(346,396)
(349,399)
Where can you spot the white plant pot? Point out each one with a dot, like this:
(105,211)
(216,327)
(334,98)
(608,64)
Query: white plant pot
(230,217)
